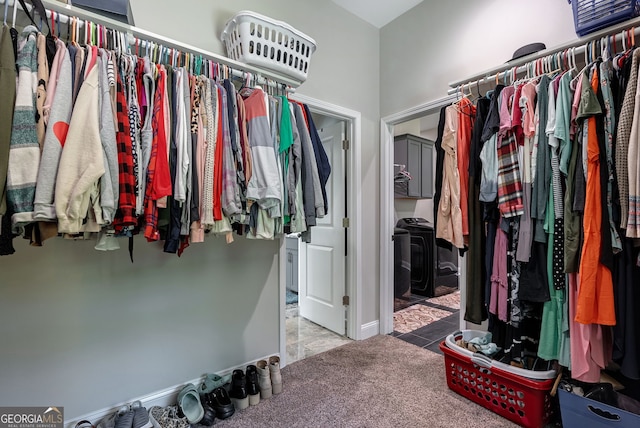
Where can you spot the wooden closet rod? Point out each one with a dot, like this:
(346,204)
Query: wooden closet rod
(504,71)
(239,69)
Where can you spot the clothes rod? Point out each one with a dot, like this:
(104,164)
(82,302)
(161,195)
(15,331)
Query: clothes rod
(65,11)
(520,64)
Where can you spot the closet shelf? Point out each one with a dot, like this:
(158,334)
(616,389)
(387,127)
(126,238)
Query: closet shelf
(504,70)
(133,32)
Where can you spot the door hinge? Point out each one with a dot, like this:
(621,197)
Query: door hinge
(345,145)
(345,222)
(345,300)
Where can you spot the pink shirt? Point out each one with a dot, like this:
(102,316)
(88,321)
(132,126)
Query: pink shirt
(499,280)
(528,99)
(588,341)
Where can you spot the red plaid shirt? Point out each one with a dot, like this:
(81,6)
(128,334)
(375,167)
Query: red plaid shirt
(126,213)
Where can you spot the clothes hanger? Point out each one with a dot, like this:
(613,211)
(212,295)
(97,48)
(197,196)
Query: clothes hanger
(15,12)
(78,25)
(6,10)
(72,34)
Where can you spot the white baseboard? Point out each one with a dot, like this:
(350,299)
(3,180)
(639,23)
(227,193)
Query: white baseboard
(369,329)
(164,397)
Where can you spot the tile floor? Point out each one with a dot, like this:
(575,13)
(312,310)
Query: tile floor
(305,338)
(421,321)
(425,322)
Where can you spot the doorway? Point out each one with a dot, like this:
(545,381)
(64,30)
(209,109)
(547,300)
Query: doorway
(325,261)
(389,212)
(316,261)
(425,290)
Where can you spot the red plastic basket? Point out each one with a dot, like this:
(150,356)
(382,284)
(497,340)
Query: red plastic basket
(519,399)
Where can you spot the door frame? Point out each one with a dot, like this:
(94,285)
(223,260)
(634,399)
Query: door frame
(387,125)
(353,263)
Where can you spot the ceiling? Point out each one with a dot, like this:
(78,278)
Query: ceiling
(378,12)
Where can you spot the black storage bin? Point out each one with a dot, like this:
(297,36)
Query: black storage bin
(402,263)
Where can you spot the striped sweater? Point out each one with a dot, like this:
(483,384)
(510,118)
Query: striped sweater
(24,151)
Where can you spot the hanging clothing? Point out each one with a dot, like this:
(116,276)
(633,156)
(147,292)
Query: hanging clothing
(542,174)
(627,130)
(476,273)
(589,342)
(43,81)
(449,212)
(264,186)
(158,179)
(552,314)
(626,343)
(119,154)
(527,106)
(595,299)
(110,182)
(59,115)
(322,162)
(309,174)
(499,280)
(489,152)
(7,104)
(633,166)
(439,174)
(607,90)
(126,213)
(24,152)
(466,117)
(81,163)
(509,180)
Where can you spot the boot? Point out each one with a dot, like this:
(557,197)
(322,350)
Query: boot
(239,390)
(264,379)
(276,377)
(252,385)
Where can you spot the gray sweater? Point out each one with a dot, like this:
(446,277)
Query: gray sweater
(109,184)
(58,125)
(311,192)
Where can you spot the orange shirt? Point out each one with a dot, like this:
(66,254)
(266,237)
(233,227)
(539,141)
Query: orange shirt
(595,297)
(466,116)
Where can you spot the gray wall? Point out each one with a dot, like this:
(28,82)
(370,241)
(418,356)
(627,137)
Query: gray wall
(86,329)
(438,42)
(344,71)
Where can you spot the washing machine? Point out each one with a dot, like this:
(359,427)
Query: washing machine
(434,270)
(401,263)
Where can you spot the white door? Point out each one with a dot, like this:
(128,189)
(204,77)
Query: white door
(322,261)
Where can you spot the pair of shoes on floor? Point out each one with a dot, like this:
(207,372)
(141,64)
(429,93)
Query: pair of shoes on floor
(245,391)
(212,381)
(269,377)
(132,415)
(167,417)
(220,402)
(194,409)
(238,393)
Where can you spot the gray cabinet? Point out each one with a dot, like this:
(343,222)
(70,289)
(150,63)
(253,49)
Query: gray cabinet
(416,154)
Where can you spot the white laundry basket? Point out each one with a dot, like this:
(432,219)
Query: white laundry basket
(257,40)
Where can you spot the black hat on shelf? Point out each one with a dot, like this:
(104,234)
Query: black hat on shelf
(528,50)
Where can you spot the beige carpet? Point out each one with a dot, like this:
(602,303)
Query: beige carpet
(378,382)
